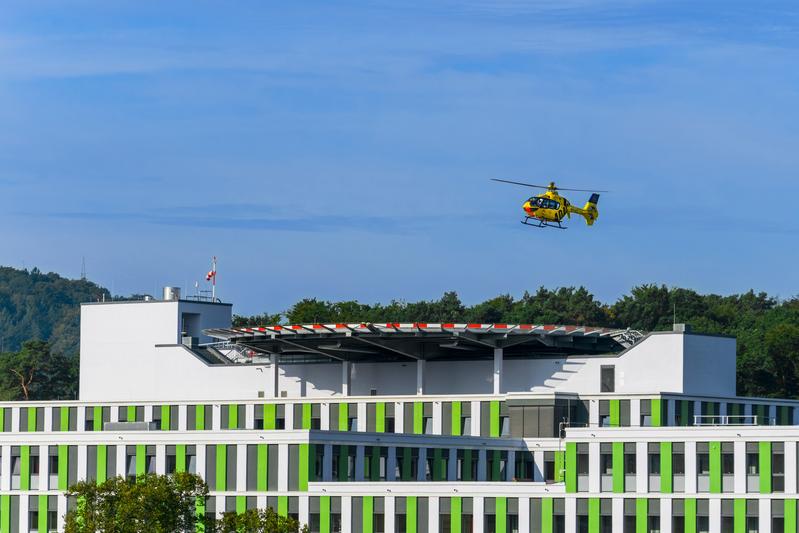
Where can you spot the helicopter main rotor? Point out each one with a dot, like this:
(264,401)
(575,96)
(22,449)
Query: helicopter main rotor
(550,187)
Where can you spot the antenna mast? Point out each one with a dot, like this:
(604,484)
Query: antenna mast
(83,268)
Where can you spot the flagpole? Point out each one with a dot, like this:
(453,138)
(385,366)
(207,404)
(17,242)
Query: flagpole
(213,280)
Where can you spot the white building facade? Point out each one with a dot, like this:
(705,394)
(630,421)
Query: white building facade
(410,428)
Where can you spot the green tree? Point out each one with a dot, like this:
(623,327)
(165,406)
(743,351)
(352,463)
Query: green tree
(258,521)
(36,373)
(265,319)
(152,503)
(782,349)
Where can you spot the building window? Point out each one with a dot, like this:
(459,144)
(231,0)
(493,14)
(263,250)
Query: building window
(752,467)
(582,467)
(607,378)
(778,467)
(604,413)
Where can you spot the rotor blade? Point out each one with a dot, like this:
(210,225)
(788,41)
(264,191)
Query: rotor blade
(522,184)
(579,190)
(546,187)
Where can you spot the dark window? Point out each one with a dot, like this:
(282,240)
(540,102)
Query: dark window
(608,378)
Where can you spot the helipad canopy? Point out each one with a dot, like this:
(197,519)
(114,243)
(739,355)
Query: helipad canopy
(415,341)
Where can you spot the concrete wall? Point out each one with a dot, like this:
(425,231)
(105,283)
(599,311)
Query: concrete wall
(117,348)
(663,362)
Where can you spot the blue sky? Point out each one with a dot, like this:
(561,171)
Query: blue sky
(343,150)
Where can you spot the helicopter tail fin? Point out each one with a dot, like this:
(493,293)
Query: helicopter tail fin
(590,211)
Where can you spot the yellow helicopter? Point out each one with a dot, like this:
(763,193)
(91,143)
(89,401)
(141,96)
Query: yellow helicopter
(550,208)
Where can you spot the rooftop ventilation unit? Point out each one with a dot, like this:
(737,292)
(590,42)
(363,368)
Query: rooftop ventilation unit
(171,293)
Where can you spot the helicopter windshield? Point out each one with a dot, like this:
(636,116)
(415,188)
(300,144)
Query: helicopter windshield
(544,203)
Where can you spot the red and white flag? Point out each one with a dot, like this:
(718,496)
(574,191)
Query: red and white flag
(211,276)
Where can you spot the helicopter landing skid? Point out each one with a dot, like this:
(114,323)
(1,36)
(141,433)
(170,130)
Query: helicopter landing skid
(542,223)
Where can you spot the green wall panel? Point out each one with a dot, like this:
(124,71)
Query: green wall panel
(571,467)
(657,412)
(715,467)
(324,514)
(221,467)
(32,418)
(559,467)
(141,460)
(666,476)
(5,513)
(261,475)
(343,416)
(765,467)
(102,463)
(241,504)
(690,515)
(593,515)
(456,418)
(618,467)
(494,418)
(641,515)
(25,468)
(63,467)
(496,471)
(410,514)
(502,514)
(180,458)
(2,418)
(547,512)
(790,516)
(739,515)
(283,505)
(42,525)
(306,415)
(303,467)
(131,413)
(686,412)
(456,513)
(368,514)
(97,422)
(166,415)
(199,417)
(64,418)
(380,417)
(270,416)
(232,416)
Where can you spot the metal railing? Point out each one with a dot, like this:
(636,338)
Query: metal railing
(731,420)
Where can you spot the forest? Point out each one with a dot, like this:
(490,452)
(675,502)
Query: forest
(40,325)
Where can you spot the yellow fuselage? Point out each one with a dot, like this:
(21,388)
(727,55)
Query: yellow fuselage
(552,207)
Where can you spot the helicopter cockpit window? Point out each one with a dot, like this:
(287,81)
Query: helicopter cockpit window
(546,203)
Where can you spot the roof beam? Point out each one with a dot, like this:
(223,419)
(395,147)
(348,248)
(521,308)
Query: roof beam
(311,349)
(379,344)
(474,338)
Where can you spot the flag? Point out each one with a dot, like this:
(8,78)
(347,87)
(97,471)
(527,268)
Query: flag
(211,276)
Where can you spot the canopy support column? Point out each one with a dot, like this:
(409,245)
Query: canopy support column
(498,362)
(274,370)
(345,378)
(420,376)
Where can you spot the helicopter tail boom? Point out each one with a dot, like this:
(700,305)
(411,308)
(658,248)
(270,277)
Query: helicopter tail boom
(589,210)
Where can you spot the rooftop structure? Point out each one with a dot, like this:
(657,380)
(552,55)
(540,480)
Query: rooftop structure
(397,428)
